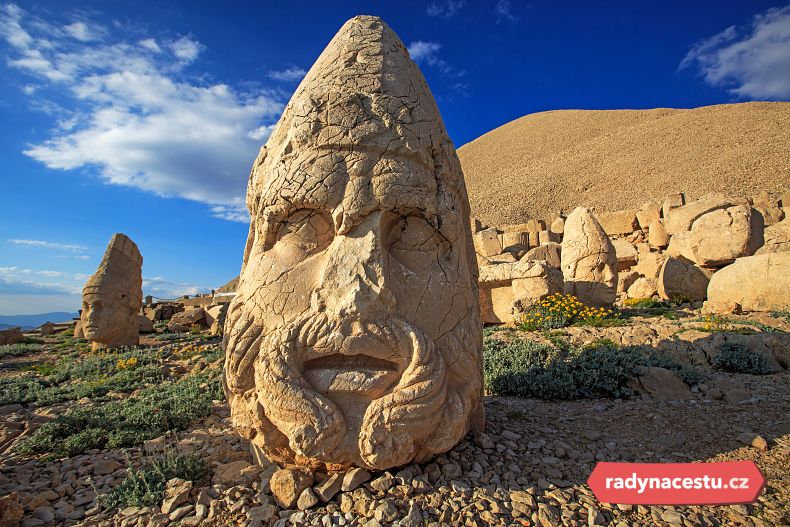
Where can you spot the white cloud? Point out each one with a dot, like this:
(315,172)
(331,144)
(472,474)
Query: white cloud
(82,32)
(236,213)
(288,75)
(49,273)
(444,9)
(421,51)
(151,45)
(163,288)
(427,53)
(13,284)
(504,12)
(73,247)
(131,111)
(186,48)
(751,62)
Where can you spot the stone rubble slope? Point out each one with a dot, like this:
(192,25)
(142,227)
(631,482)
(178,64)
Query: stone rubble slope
(611,160)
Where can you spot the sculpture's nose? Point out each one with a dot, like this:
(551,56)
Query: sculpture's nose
(356,277)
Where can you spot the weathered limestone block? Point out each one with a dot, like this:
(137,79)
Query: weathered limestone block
(530,226)
(680,245)
(46,329)
(769,208)
(11,336)
(776,238)
(719,237)
(682,218)
(113,295)
(626,279)
(487,242)
(673,201)
(589,260)
(547,236)
(643,288)
(145,324)
(626,253)
(657,235)
(525,282)
(354,338)
(79,333)
(516,242)
(193,316)
(558,226)
(650,264)
(550,253)
(618,222)
(650,212)
(757,283)
(681,279)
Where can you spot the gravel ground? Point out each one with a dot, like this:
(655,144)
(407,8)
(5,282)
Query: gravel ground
(529,468)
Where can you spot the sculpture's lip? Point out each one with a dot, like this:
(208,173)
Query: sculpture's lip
(357,374)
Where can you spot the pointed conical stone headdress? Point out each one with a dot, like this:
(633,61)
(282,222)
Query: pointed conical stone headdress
(120,269)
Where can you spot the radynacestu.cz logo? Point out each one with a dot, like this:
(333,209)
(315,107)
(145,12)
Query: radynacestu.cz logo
(722,483)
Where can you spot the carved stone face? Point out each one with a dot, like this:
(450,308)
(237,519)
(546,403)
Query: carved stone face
(354,338)
(105,314)
(112,295)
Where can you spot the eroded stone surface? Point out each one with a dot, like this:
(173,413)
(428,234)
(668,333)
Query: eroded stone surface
(681,280)
(757,283)
(354,338)
(112,296)
(589,260)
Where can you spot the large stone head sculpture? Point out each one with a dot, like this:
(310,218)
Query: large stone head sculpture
(112,297)
(354,337)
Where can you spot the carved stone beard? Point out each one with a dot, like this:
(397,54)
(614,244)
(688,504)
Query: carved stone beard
(420,414)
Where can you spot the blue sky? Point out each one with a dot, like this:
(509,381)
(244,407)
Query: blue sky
(144,118)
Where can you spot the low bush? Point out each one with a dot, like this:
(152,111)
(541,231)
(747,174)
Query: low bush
(781,314)
(718,323)
(17,350)
(93,376)
(644,303)
(129,422)
(735,357)
(146,487)
(525,368)
(559,311)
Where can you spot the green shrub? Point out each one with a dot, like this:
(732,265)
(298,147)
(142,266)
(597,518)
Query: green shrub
(122,371)
(735,357)
(718,323)
(525,368)
(17,350)
(644,303)
(128,422)
(146,487)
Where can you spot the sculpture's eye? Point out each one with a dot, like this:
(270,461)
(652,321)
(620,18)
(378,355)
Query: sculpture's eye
(303,233)
(414,241)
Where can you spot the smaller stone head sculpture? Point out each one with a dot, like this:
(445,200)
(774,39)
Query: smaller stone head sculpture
(112,296)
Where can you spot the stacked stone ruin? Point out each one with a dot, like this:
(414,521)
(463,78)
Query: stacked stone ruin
(731,253)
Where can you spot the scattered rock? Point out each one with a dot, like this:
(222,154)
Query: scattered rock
(288,484)
(176,493)
(354,478)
